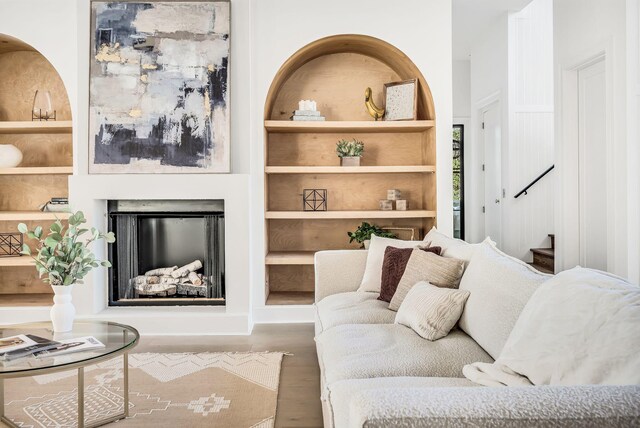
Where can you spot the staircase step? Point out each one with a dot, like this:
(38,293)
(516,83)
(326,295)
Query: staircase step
(544,257)
(553,240)
(541,268)
(549,252)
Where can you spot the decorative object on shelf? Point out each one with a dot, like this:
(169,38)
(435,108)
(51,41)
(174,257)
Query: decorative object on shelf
(63,258)
(307,111)
(401,100)
(159,95)
(56,205)
(386,205)
(349,152)
(405,233)
(375,111)
(362,234)
(10,244)
(42,107)
(394,194)
(10,156)
(314,200)
(402,204)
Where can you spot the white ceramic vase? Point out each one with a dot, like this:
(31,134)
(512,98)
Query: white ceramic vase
(63,312)
(10,156)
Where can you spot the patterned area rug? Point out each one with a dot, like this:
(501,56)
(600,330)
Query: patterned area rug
(178,390)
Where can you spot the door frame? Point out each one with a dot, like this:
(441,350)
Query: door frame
(569,236)
(481,107)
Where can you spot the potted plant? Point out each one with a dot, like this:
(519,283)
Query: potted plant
(349,152)
(63,259)
(363,233)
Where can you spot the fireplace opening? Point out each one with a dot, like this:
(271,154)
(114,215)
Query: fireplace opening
(166,253)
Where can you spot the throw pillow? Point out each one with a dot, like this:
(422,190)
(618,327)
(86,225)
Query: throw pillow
(422,266)
(371,279)
(431,311)
(437,239)
(578,328)
(500,286)
(393,266)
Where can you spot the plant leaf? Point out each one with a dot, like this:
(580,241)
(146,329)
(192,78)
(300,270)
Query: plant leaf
(22,228)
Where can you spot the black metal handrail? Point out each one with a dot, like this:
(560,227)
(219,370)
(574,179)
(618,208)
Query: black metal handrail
(534,182)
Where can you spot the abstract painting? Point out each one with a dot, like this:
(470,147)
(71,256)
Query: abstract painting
(159,98)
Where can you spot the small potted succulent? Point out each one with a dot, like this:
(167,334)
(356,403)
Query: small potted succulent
(63,258)
(349,152)
(363,233)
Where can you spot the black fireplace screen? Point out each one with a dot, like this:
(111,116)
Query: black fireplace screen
(163,256)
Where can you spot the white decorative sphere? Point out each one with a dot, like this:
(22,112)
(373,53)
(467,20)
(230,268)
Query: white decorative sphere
(10,156)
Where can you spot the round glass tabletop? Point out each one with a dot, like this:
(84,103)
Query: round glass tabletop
(117,339)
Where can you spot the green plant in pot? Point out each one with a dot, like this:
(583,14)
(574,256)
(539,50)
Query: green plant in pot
(362,234)
(63,258)
(349,152)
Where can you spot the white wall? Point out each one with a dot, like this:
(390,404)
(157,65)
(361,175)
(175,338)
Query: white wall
(461,88)
(633,136)
(582,30)
(489,80)
(420,28)
(530,150)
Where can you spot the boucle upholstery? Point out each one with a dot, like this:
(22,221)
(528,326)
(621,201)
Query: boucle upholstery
(338,271)
(354,307)
(386,350)
(340,393)
(535,406)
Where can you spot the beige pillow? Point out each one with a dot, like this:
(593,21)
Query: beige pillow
(431,311)
(422,266)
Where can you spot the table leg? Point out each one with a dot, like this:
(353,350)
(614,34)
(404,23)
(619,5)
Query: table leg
(126,384)
(81,397)
(1,398)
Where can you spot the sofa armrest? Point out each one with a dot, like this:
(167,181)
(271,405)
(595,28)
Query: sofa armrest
(535,406)
(338,271)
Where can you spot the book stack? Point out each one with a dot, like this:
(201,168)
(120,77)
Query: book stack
(307,111)
(29,345)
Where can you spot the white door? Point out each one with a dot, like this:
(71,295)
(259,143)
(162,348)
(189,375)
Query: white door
(592,165)
(492,136)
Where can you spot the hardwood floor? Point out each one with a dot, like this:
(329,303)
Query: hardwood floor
(299,394)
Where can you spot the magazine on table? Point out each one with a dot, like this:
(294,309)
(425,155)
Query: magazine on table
(12,343)
(37,344)
(68,346)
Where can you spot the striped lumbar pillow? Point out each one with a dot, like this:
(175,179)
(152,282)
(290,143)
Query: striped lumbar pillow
(431,311)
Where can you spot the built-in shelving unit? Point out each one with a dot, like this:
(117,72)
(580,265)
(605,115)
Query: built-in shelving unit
(47,158)
(299,155)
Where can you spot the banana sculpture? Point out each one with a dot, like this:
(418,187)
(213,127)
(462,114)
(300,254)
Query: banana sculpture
(375,111)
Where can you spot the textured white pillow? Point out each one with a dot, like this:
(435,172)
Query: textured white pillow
(578,328)
(500,287)
(372,278)
(437,239)
(431,311)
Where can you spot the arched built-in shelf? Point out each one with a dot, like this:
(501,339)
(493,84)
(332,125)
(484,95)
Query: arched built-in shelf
(47,161)
(335,71)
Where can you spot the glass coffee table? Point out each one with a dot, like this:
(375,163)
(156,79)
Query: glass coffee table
(118,339)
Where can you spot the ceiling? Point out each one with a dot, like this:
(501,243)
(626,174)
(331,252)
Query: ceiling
(472,17)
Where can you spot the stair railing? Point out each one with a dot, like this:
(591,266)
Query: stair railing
(524,191)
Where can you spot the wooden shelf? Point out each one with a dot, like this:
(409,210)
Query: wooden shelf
(290,298)
(349,169)
(329,215)
(290,258)
(26,127)
(31,215)
(290,126)
(24,299)
(38,170)
(16,261)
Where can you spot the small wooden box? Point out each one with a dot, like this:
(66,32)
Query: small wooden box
(402,205)
(386,205)
(393,194)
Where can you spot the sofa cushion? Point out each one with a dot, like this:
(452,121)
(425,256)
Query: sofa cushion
(386,350)
(500,286)
(352,308)
(393,266)
(342,392)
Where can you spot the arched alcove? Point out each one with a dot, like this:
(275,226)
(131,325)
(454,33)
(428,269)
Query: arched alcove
(335,71)
(47,159)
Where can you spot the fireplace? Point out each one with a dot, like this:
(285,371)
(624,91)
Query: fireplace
(166,253)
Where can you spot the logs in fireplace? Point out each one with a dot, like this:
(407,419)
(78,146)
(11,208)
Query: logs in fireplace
(167,253)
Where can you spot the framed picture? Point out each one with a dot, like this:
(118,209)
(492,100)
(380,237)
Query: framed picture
(401,100)
(159,96)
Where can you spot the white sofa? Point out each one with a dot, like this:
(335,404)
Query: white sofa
(375,373)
